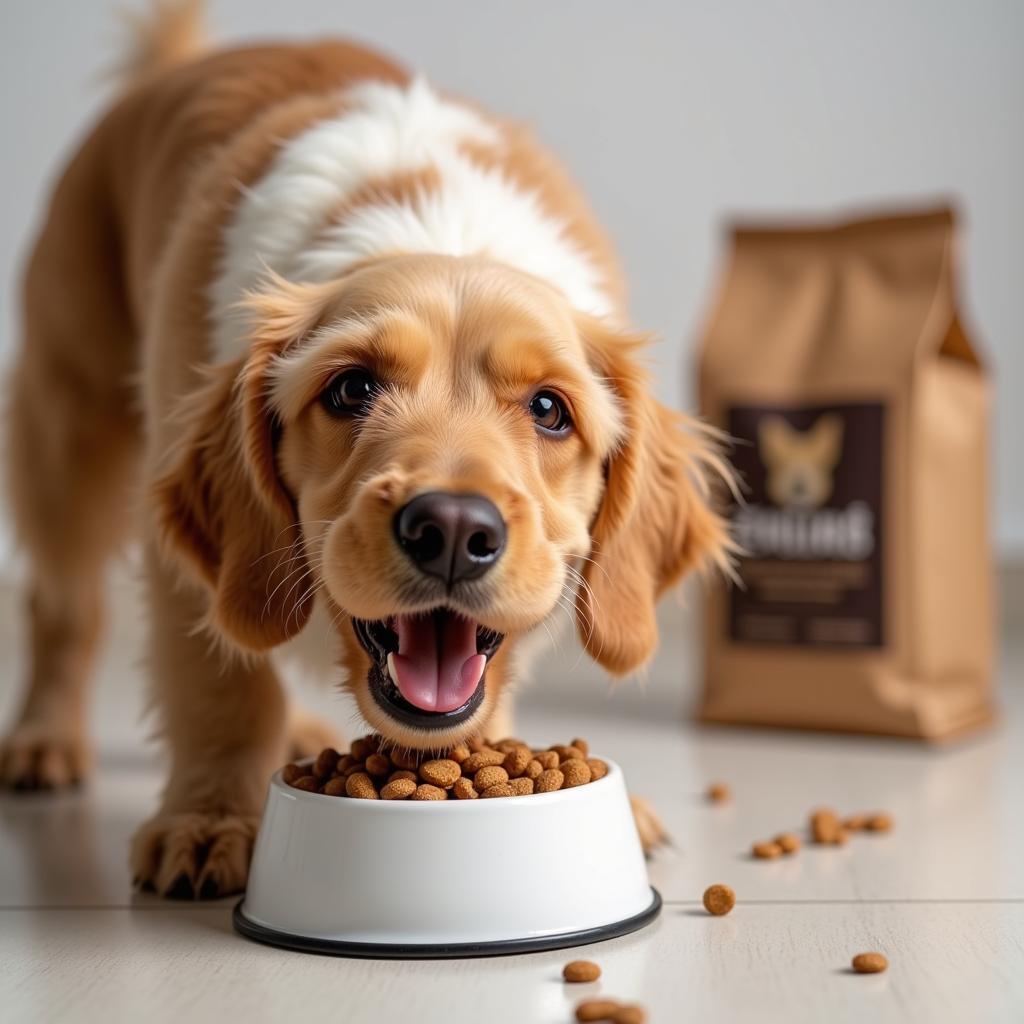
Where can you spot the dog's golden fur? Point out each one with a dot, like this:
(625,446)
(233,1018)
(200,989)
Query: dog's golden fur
(256,501)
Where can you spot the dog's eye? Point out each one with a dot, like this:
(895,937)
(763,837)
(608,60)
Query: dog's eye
(349,393)
(550,413)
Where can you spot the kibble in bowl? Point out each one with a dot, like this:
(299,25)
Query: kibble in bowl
(496,848)
(509,767)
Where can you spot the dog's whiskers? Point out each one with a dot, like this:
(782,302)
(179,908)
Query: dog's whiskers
(305,568)
(591,603)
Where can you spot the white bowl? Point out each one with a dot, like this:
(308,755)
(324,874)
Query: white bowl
(384,878)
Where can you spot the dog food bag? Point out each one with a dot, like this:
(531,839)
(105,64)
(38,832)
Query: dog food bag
(859,411)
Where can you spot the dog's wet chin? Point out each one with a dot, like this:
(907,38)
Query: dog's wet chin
(428,671)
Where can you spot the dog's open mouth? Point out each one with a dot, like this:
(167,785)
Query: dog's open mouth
(428,669)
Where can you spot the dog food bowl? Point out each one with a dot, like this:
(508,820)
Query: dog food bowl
(408,879)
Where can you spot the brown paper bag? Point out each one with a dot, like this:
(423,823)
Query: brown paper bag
(860,411)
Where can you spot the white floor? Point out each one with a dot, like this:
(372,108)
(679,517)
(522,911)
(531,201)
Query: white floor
(942,895)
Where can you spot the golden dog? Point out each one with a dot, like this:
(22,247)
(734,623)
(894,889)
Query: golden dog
(361,347)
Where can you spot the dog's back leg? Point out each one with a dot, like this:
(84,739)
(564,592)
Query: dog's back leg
(73,437)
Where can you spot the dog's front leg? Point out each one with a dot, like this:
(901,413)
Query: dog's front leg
(224,719)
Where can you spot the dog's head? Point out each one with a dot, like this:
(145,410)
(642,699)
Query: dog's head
(445,453)
(800,463)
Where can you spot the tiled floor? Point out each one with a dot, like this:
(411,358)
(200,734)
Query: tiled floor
(942,895)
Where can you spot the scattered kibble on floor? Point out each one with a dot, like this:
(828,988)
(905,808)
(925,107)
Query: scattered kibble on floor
(869,963)
(596,1009)
(611,1010)
(826,828)
(581,971)
(719,899)
(788,842)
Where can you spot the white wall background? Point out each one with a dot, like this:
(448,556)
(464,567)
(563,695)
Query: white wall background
(672,114)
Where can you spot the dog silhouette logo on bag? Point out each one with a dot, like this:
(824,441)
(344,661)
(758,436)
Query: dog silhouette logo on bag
(800,463)
(809,526)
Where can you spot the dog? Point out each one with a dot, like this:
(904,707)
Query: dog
(361,349)
(800,464)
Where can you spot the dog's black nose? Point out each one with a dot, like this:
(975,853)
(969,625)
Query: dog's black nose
(451,536)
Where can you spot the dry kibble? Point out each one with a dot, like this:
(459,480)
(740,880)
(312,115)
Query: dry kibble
(501,789)
(492,775)
(464,789)
(378,764)
(569,753)
(719,899)
(459,754)
(826,827)
(576,773)
(471,770)
(880,822)
(428,792)
(362,748)
(766,851)
(582,746)
(408,759)
(335,786)
(788,842)
(581,971)
(869,963)
(718,793)
(326,762)
(400,789)
(548,758)
(441,773)
(360,786)
(597,1009)
(482,759)
(548,781)
(516,760)
(632,1014)
(856,822)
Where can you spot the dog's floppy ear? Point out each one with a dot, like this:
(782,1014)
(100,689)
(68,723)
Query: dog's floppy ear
(221,504)
(656,520)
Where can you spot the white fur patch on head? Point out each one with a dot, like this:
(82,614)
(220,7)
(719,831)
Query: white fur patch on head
(475,211)
(281,221)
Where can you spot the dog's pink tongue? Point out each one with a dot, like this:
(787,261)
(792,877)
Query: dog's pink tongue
(436,667)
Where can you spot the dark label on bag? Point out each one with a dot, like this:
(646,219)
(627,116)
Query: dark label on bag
(811,525)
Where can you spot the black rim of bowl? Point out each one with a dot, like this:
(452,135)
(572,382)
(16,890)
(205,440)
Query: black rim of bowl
(442,951)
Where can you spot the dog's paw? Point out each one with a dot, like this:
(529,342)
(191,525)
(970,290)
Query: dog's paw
(38,756)
(193,856)
(648,825)
(308,735)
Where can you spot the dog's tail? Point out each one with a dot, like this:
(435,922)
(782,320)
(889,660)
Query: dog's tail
(165,33)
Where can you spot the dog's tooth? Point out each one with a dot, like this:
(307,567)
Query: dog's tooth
(391,667)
